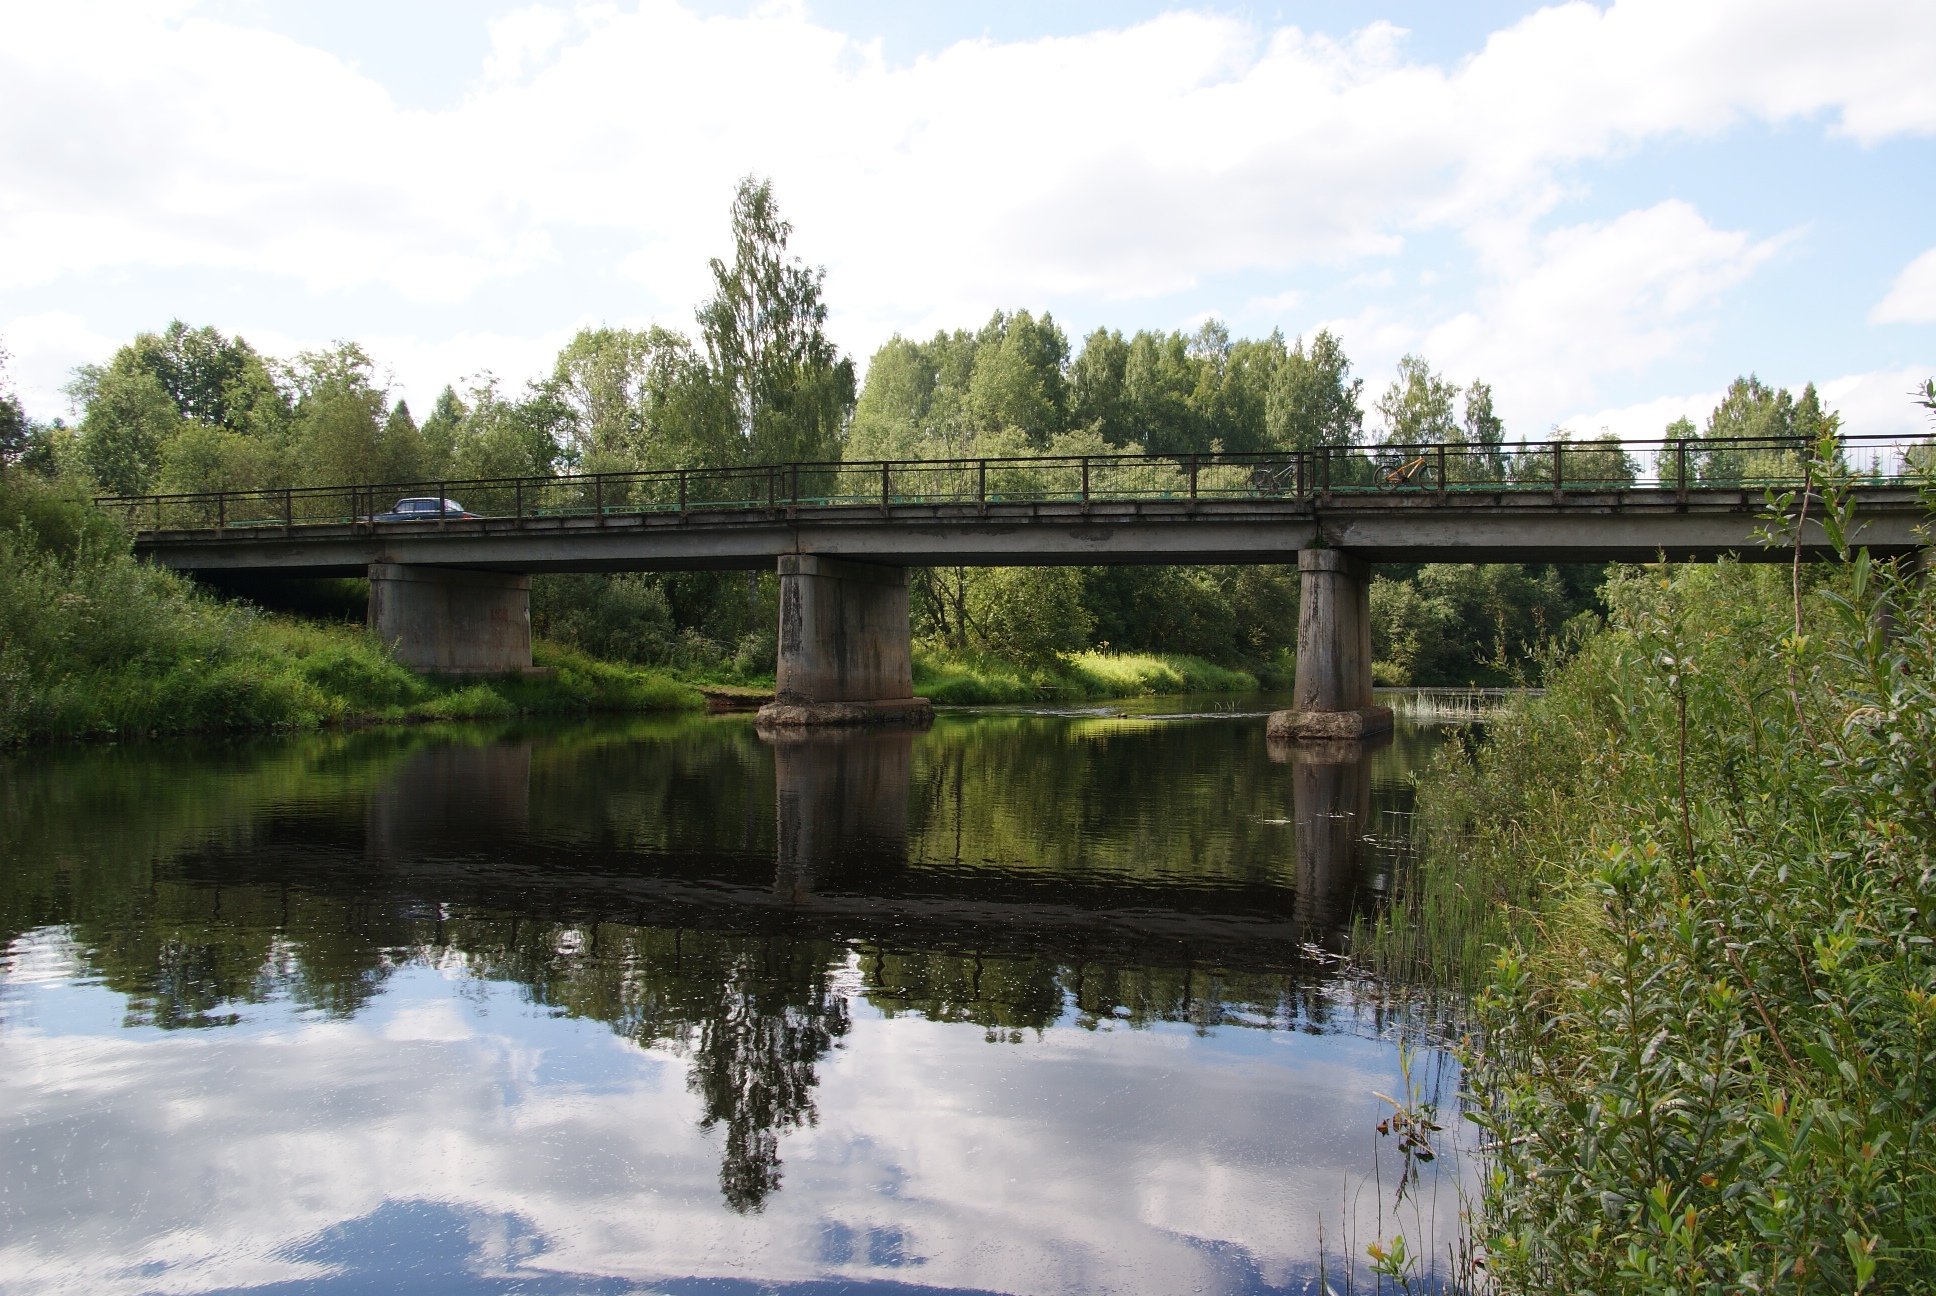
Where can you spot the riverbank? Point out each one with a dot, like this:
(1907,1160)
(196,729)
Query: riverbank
(1692,889)
(959,679)
(95,645)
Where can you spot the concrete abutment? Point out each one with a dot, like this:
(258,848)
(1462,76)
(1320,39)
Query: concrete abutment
(1331,696)
(846,647)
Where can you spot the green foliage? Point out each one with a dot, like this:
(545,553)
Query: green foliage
(782,391)
(130,418)
(1028,613)
(1468,623)
(1420,407)
(13,419)
(95,644)
(1751,408)
(623,617)
(1700,866)
(969,679)
(1314,400)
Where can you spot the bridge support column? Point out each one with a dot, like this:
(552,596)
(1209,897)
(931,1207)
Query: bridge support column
(453,621)
(845,647)
(1331,697)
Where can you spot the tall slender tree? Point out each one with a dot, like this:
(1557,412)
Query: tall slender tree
(783,390)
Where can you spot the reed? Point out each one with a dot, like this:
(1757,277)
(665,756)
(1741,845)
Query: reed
(1691,887)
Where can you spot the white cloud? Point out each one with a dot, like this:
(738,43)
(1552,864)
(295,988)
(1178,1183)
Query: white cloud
(1645,420)
(1875,403)
(1101,1162)
(524,39)
(1880,403)
(1593,300)
(1111,166)
(1912,298)
(45,349)
(1566,310)
(194,143)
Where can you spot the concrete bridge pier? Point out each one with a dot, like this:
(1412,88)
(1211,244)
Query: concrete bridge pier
(1331,697)
(453,621)
(845,647)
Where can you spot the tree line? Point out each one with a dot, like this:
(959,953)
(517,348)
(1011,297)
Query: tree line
(190,409)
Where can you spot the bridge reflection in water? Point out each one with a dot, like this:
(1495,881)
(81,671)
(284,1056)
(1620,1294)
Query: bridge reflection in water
(742,902)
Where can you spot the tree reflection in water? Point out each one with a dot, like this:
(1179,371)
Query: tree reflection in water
(702,894)
(754,1062)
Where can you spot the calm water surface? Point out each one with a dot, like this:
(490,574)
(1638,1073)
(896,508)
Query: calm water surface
(1026,1003)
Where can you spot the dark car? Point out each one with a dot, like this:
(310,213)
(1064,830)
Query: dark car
(424,508)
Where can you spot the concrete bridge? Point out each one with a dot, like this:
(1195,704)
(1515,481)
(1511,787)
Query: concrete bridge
(452,592)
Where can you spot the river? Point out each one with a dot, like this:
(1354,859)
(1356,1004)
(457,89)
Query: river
(1032,1002)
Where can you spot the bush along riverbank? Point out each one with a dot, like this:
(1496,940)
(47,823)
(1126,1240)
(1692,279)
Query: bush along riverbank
(94,644)
(1693,886)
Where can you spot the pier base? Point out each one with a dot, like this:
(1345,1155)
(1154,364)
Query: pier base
(845,647)
(452,621)
(1331,697)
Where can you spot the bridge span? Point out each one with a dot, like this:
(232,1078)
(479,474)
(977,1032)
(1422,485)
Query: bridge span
(451,592)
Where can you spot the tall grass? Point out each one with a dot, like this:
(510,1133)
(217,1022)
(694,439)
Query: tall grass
(96,645)
(974,680)
(1693,885)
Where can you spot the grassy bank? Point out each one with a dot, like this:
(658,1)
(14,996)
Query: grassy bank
(966,680)
(96,645)
(1693,887)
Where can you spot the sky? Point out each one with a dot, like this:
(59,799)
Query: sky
(1608,212)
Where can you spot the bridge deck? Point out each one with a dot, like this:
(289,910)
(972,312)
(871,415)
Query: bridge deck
(1467,525)
(1557,501)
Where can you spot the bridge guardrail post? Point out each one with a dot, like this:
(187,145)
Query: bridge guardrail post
(1680,473)
(1559,470)
(886,488)
(981,486)
(682,494)
(1085,483)
(288,510)
(517,501)
(1193,476)
(1441,470)
(222,511)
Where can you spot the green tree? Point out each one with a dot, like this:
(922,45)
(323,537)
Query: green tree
(1420,407)
(1485,432)
(1239,412)
(783,391)
(891,419)
(504,437)
(202,457)
(214,380)
(1779,427)
(13,418)
(1028,613)
(1017,382)
(1594,462)
(340,431)
(1314,400)
(1159,382)
(129,418)
(1096,389)
(629,399)
(441,432)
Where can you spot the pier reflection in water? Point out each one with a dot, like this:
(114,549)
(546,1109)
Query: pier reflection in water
(802,953)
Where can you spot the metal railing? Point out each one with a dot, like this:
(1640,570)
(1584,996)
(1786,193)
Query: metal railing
(1363,475)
